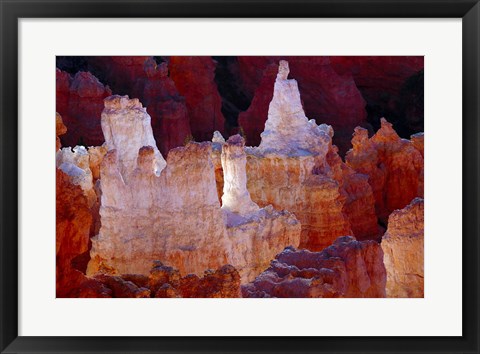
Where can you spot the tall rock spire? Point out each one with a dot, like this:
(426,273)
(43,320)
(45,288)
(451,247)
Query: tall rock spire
(287,129)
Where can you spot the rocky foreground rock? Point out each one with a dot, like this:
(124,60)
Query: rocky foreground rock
(348,268)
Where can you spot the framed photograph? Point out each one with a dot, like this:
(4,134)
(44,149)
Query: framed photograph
(248,176)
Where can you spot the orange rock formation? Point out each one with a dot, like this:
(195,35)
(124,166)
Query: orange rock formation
(393,165)
(404,251)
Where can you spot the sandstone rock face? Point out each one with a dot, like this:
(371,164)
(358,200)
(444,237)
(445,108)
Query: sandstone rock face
(75,163)
(127,128)
(288,183)
(364,159)
(175,216)
(296,168)
(141,77)
(73,222)
(80,103)
(403,246)
(96,154)
(348,268)
(359,205)
(236,198)
(60,129)
(327,96)
(394,167)
(221,283)
(287,129)
(195,79)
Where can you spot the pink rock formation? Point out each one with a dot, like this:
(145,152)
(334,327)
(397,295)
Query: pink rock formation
(348,268)
(194,77)
(394,167)
(236,198)
(328,97)
(403,247)
(291,170)
(175,216)
(126,123)
(80,102)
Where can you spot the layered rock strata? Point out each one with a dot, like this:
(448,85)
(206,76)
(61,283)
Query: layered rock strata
(403,246)
(296,168)
(347,268)
(328,97)
(394,167)
(174,213)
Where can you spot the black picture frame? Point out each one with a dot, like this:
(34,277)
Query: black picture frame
(11,11)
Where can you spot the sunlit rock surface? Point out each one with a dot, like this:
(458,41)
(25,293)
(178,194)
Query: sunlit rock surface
(348,268)
(127,127)
(403,246)
(328,97)
(175,216)
(287,129)
(236,198)
(297,168)
(359,205)
(76,164)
